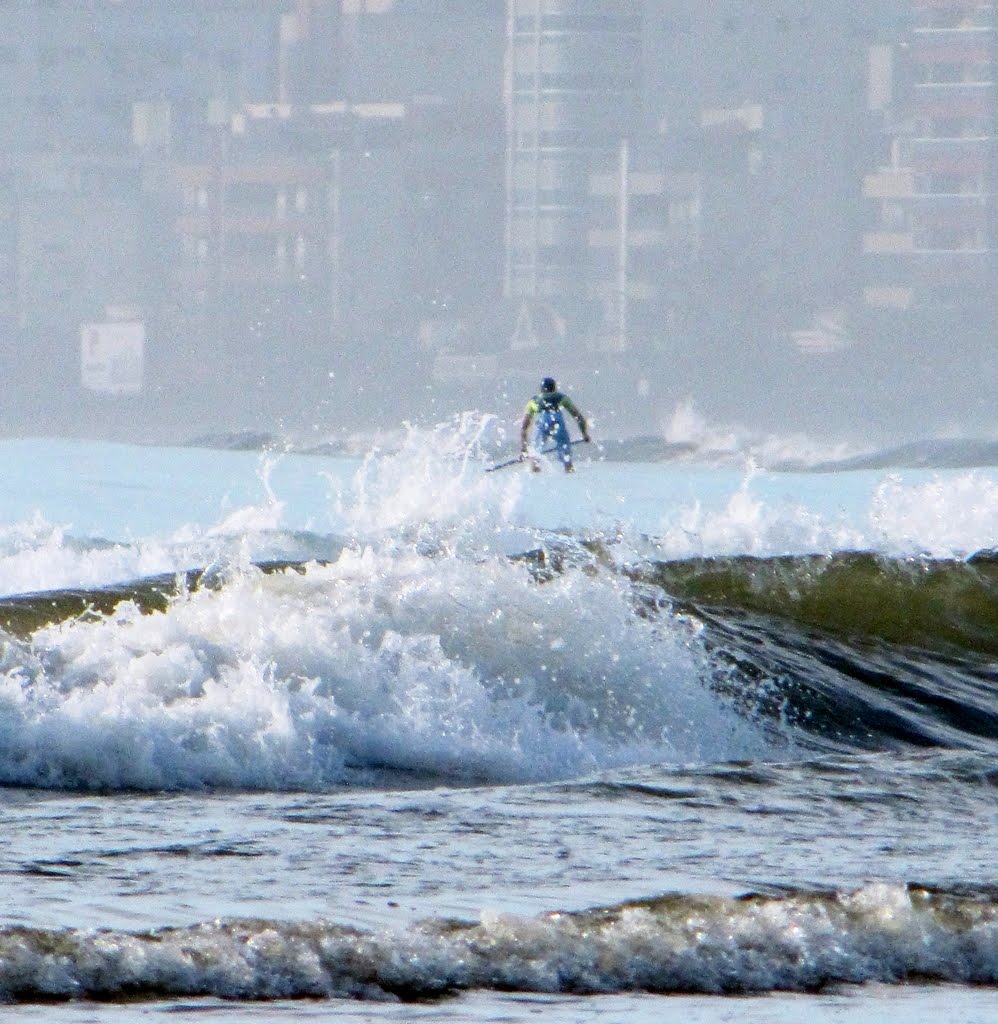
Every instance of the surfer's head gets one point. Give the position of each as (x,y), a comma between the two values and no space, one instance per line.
(549,384)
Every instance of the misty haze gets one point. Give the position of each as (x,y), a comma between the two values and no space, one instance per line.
(325,218)
(500,511)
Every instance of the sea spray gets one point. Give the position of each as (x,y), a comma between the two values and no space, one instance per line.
(949,516)
(749,523)
(429,664)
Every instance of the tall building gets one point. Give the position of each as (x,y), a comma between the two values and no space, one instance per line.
(768,108)
(934,244)
(683,186)
(96,95)
(573,88)
(276,189)
(93,90)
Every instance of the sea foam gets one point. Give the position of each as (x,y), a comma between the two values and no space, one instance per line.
(800,942)
(413,663)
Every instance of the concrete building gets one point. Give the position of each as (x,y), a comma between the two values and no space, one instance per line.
(684,185)
(573,87)
(449,191)
(269,186)
(350,238)
(934,244)
(770,108)
(931,292)
(96,96)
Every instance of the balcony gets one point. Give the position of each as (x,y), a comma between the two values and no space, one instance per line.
(950,167)
(952,211)
(948,16)
(201,225)
(888,297)
(888,242)
(274,173)
(954,99)
(889,184)
(969,267)
(637,238)
(638,184)
(920,152)
(940,48)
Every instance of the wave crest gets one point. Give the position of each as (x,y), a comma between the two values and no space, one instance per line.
(799,942)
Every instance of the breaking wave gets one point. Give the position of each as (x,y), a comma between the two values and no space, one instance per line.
(443,632)
(798,941)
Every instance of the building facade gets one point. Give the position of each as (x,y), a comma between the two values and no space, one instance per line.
(573,87)
(935,246)
(445,191)
(281,191)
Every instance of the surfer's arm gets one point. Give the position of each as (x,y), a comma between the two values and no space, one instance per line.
(572,408)
(528,417)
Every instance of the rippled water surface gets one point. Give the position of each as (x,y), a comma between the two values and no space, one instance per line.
(288,737)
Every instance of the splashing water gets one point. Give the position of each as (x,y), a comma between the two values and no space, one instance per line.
(748,524)
(381,660)
(433,488)
(948,517)
(422,647)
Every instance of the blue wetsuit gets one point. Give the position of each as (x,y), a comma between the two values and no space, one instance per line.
(550,428)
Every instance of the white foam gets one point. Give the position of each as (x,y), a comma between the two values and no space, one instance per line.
(943,515)
(36,555)
(206,508)
(688,427)
(434,480)
(384,659)
(422,648)
(748,524)
(881,933)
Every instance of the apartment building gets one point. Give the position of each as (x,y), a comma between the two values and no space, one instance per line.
(933,243)
(98,96)
(661,151)
(268,183)
(573,87)
(260,182)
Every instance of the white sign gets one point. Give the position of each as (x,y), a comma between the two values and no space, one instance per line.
(112,357)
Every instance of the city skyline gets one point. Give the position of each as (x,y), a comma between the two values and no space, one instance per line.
(307,206)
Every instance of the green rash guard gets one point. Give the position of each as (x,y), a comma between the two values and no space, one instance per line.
(552,401)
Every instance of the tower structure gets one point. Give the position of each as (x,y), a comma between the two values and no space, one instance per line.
(936,247)
(573,81)
(952,149)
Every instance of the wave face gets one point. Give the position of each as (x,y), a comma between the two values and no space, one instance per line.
(803,942)
(941,605)
(545,666)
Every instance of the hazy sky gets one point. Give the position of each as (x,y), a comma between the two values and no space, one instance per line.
(749,141)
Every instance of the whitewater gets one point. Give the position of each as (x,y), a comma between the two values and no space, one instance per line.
(384,736)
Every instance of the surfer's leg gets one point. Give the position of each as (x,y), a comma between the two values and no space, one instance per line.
(564,446)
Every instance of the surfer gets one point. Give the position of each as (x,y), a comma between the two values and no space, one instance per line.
(547,407)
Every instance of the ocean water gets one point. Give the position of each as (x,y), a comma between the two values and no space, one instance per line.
(293,736)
